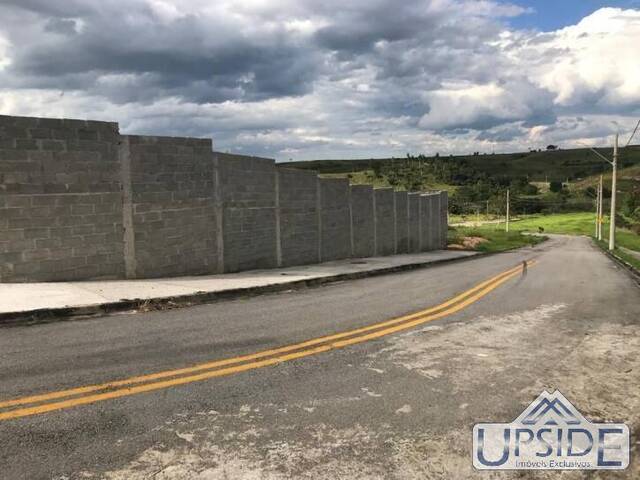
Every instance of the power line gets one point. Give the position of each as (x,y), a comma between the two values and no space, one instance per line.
(634,132)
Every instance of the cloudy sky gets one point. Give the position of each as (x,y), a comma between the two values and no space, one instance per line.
(305,79)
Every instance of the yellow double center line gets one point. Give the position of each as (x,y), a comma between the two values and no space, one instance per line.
(63,399)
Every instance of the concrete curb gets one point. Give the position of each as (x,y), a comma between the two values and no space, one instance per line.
(49,315)
(630,269)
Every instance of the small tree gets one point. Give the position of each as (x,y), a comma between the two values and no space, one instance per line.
(631,204)
(555,186)
(377,169)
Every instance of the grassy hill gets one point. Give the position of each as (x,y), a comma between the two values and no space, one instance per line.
(626,177)
(478,183)
(559,165)
(367,177)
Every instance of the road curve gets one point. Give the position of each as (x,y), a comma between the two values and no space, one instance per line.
(374,378)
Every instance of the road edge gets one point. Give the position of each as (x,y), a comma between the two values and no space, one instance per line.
(50,315)
(632,271)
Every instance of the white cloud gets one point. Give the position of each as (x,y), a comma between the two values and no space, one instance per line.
(484,106)
(309,79)
(600,62)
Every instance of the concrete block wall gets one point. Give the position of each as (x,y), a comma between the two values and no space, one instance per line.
(362,221)
(402,222)
(425,228)
(335,218)
(385,221)
(60,200)
(80,201)
(434,221)
(248,192)
(444,219)
(430,221)
(172,206)
(298,212)
(414,219)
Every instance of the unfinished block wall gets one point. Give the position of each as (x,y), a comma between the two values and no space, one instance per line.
(298,211)
(402,222)
(414,219)
(60,200)
(385,221)
(434,221)
(172,205)
(335,219)
(362,221)
(80,201)
(430,219)
(444,218)
(248,189)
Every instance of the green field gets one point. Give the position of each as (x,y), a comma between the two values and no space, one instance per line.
(567,223)
(580,223)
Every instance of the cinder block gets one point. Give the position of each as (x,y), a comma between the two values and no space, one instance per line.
(17,223)
(87,134)
(11,258)
(39,133)
(14,155)
(17,201)
(82,209)
(26,144)
(53,145)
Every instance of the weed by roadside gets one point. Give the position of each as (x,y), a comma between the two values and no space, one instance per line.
(495,240)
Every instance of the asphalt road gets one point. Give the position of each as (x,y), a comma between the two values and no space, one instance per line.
(397,400)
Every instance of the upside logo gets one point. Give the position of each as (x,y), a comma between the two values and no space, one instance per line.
(550,434)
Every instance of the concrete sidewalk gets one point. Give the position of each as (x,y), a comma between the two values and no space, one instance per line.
(39,301)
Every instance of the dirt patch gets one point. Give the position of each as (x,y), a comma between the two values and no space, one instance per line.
(468,243)
(435,351)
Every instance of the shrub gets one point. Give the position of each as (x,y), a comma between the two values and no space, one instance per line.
(555,186)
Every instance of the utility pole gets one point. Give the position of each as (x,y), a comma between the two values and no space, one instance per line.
(614,186)
(598,211)
(507,209)
(600,201)
(487,209)
(612,220)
